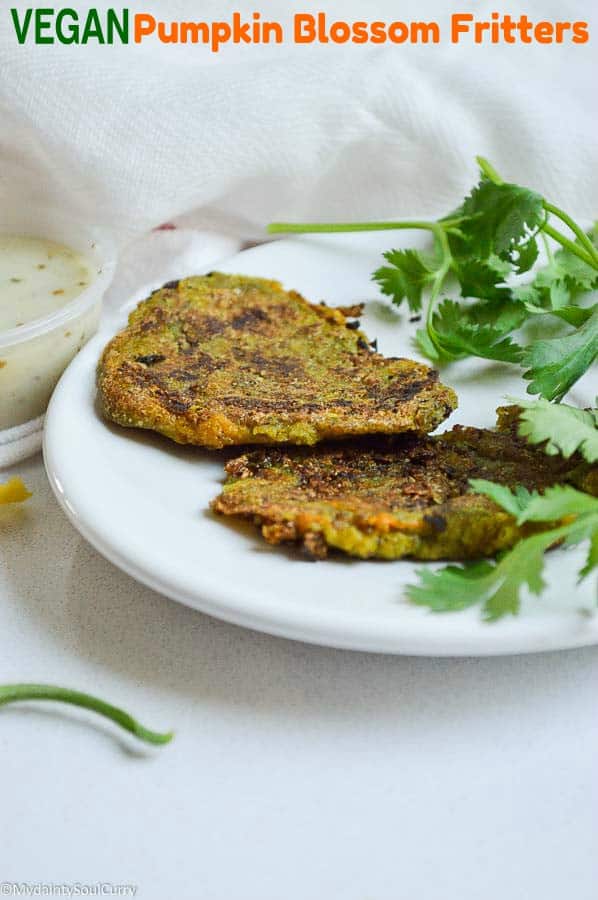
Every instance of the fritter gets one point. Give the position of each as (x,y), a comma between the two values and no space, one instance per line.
(224,359)
(391,498)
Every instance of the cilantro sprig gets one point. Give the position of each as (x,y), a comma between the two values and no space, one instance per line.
(573,516)
(497,584)
(555,365)
(483,248)
(562,429)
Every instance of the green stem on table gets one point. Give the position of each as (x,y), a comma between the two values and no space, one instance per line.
(12,693)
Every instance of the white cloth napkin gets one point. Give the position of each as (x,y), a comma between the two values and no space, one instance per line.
(20,442)
(131,136)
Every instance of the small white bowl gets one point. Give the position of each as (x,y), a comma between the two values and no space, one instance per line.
(34,355)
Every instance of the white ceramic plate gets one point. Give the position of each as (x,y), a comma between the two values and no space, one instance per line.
(143,502)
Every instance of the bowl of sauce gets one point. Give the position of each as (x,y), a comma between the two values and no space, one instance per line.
(52,281)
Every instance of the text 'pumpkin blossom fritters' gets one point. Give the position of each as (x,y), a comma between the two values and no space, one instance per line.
(390,498)
(224,359)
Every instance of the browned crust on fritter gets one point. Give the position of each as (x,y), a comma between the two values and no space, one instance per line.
(390,498)
(220,360)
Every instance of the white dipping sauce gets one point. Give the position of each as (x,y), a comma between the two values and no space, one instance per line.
(38,279)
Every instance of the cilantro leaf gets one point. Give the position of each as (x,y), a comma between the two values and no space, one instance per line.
(409,273)
(556,284)
(514,502)
(565,429)
(549,288)
(555,365)
(592,560)
(458,336)
(491,237)
(578,274)
(520,567)
(497,585)
(526,256)
(584,528)
(556,503)
(499,219)
(483,278)
(563,278)
(572,315)
(425,345)
(533,298)
(560,502)
(452,587)
(504,315)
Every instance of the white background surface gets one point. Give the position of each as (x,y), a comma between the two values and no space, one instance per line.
(297,772)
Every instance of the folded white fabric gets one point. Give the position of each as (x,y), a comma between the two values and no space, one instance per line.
(159,256)
(128,136)
(20,442)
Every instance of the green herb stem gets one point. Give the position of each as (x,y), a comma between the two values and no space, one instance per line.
(547,247)
(12,693)
(591,254)
(570,245)
(488,170)
(338,227)
(343,227)
(439,277)
(579,233)
(492,234)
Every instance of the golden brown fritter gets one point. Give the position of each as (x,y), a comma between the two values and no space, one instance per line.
(390,498)
(225,359)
